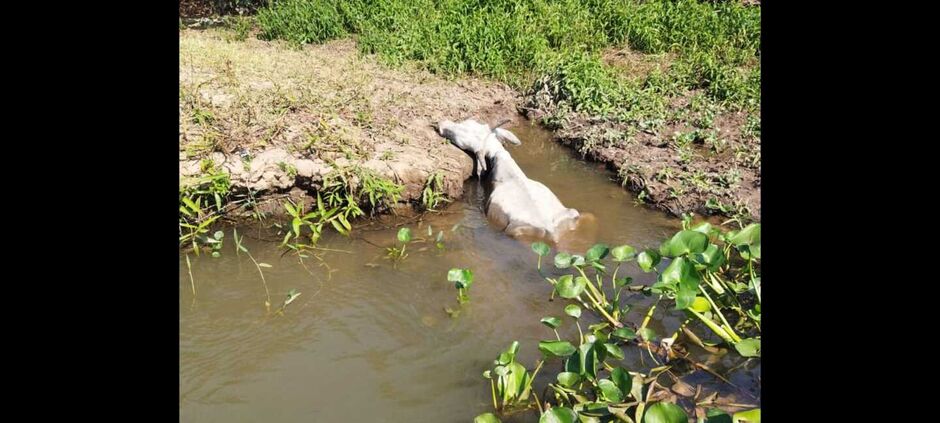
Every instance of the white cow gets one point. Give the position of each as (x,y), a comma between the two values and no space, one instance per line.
(517,204)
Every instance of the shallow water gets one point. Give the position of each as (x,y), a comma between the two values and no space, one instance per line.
(369,341)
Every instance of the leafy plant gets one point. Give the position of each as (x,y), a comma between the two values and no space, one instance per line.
(314,221)
(462,279)
(542,249)
(239,27)
(701,277)
(380,192)
(194,223)
(432,196)
(509,380)
(398,253)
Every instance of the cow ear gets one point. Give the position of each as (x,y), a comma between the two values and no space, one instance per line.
(506,136)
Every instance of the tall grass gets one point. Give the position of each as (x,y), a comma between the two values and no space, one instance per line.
(716,44)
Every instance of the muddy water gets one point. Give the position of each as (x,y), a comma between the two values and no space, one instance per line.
(369,341)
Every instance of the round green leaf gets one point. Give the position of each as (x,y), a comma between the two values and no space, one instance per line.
(509,355)
(592,412)
(749,236)
(577,260)
(712,258)
(684,242)
(557,348)
(559,415)
(609,391)
(624,333)
(647,334)
(682,272)
(552,322)
(665,412)
(541,248)
(684,298)
(749,347)
(701,305)
(587,360)
(514,381)
(714,415)
(462,278)
(562,260)
(647,260)
(623,253)
(623,379)
(218,235)
(704,227)
(573,310)
(614,351)
(597,252)
(678,270)
(749,416)
(404,235)
(569,288)
(486,418)
(568,379)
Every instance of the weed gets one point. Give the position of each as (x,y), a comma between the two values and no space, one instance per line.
(239,26)
(398,253)
(288,168)
(702,280)
(194,222)
(433,195)
(462,279)
(520,42)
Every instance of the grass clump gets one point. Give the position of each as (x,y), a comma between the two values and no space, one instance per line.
(717,43)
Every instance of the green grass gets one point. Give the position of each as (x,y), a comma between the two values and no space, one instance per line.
(539,42)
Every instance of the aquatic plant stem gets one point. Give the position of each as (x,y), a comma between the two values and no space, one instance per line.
(601,310)
(192,282)
(267,294)
(493,391)
(727,326)
(535,372)
(649,314)
(594,289)
(715,328)
(682,326)
(721,283)
(613,280)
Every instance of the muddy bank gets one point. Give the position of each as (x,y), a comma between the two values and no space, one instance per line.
(275,118)
(700,160)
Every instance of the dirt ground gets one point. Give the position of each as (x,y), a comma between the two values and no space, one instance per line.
(693,178)
(278,118)
(704,158)
(275,117)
